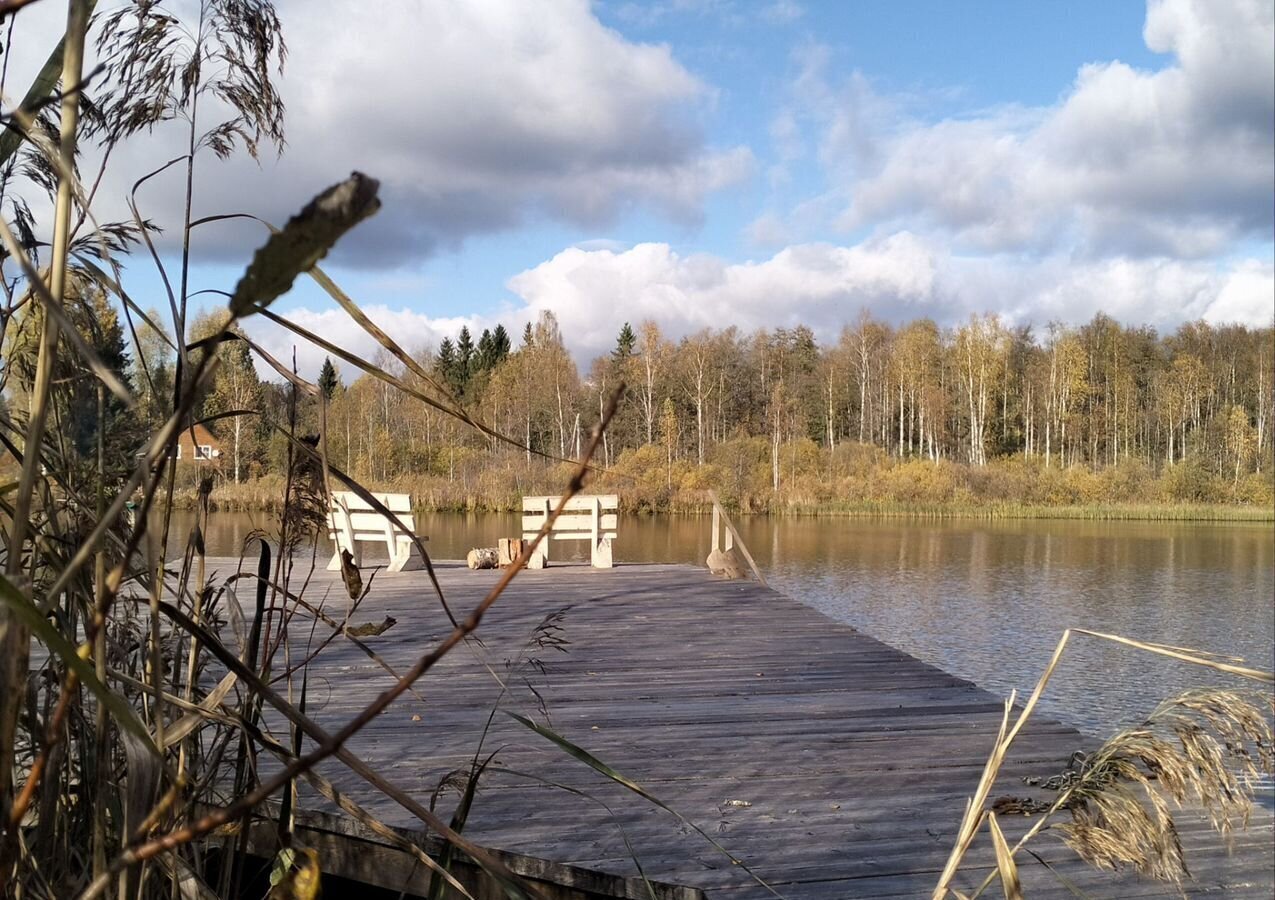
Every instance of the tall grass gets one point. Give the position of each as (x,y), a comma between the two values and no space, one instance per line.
(135,690)
(1207,746)
(502,490)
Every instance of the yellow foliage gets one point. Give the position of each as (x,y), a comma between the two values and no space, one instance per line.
(1127,482)
(1084,485)
(1256,489)
(917,481)
(700,478)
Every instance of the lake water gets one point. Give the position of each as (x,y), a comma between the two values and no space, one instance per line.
(986,601)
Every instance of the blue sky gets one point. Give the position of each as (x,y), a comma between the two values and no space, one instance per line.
(947,59)
(706,163)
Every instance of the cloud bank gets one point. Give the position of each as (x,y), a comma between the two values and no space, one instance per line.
(476,118)
(898,278)
(1175,162)
(483,117)
(1148,196)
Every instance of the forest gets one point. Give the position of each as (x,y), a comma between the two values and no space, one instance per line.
(886,418)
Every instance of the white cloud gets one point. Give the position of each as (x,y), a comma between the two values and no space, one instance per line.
(413,331)
(476,117)
(898,278)
(1174,162)
(767,230)
(1248,295)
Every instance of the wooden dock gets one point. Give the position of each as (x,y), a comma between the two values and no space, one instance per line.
(831,764)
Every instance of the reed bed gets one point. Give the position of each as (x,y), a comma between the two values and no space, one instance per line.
(1206,747)
(139,706)
(438,495)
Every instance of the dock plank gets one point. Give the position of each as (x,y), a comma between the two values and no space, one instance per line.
(854,758)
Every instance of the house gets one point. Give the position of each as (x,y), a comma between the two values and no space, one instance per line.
(197,444)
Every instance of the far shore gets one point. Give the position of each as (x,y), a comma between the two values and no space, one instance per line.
(265,495)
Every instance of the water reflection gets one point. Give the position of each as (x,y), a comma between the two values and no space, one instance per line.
(987,601)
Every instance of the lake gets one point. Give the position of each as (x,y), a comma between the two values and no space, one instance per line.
(984,600)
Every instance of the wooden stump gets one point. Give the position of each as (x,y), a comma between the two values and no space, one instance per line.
(482,558)
(508,550)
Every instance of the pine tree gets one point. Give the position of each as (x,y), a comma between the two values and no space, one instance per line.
(528,337)
(464,353)
(329,380)
(500,343)
(75,394)
(445,365)
(624,343)
(485,358)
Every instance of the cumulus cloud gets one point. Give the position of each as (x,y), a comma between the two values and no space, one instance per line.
(415,332)
(476,117)
(898,278)
(1175,162)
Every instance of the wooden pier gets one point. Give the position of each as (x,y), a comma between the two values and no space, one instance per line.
(831,764)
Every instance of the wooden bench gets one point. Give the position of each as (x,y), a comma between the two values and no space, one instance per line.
(352,522)
(592,518)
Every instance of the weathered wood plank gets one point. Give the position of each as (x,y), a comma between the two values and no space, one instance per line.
(855,759)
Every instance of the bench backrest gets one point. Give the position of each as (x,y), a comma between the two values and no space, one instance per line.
(577,519)
(363,522)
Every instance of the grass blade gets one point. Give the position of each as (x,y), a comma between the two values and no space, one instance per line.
(1004,861)
(40,626)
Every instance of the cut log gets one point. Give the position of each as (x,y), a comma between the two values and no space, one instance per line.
(482,558)
(508,550)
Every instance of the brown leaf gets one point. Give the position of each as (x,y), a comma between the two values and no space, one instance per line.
(371,629)
(350,574)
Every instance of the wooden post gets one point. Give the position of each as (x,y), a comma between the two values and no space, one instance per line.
(595,538)
(544,545)
(732,533)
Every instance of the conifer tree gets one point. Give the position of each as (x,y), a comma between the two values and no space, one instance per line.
(445,365)
(624,343)
(329,380)
(464,356)
(485,357)
(500,343)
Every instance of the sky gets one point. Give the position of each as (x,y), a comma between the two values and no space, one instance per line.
(707,163)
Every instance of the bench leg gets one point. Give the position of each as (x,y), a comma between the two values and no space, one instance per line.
(601,555)
(406,558)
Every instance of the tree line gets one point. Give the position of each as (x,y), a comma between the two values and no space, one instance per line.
(762,412)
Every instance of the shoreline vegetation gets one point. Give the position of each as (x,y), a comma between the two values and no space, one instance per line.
(980,420)
(1026,491)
